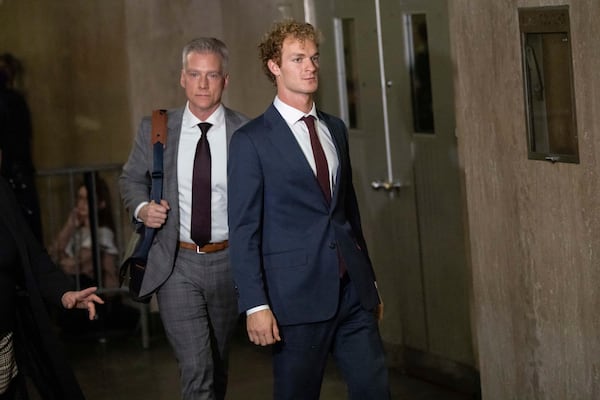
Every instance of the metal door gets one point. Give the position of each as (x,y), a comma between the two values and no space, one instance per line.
(386,69)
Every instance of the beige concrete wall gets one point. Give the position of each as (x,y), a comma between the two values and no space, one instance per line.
(94,68)
(244,24)
(76,77)
(155,34)
(534,226)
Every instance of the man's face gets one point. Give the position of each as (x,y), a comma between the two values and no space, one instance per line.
(298,72)
(204,82)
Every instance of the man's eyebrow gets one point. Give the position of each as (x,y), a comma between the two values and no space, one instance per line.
(202,71)
(303,54)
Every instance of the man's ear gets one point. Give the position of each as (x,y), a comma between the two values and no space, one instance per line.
(225,81)
(182,78)
(273,67)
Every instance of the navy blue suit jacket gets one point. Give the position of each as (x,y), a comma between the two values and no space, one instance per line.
(284,238)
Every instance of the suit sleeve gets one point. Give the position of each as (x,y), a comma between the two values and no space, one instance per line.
(38,269)
(354,215)
(135,180)
(245,208)
(52,282)
(351,201)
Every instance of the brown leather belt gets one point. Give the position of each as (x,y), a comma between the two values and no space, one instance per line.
(207,248)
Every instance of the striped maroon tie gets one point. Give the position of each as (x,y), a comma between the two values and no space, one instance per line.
(201,190)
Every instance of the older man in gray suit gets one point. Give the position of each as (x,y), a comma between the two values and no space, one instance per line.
(188,264)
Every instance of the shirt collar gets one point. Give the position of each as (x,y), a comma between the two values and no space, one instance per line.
(190,120)
(290,114)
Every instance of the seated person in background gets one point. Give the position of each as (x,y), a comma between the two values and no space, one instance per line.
(72,249)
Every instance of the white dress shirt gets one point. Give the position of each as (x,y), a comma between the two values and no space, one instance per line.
(188,139)
(217,138)
(292,116)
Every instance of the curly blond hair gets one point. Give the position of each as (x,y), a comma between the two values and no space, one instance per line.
(272,42)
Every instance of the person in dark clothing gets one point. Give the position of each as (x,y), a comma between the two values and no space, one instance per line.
(28,282)
(16,163)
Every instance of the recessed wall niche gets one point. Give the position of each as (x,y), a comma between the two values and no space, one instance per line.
(548,84)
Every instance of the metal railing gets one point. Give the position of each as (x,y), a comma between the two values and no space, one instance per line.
(57,190)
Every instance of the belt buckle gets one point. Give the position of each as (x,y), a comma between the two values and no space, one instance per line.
(198,250)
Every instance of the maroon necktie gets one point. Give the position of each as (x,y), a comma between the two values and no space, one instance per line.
(319,154)
(201,190)
(322,173)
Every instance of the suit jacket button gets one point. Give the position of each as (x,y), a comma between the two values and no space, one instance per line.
(332,245)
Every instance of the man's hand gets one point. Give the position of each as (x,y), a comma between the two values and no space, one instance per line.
(154,215)
(82,299)
(262,328)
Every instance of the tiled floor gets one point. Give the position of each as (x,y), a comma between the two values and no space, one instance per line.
(119,368)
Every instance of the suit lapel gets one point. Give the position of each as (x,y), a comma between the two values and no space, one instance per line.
(229,125)
(170,159)
(283,139)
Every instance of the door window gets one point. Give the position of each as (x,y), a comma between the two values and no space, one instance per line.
(420,73)
(347,72)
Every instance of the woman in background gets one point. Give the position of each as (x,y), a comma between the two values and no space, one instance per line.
(28,282)
(72,249)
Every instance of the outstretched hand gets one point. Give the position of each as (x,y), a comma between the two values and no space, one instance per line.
(84,299)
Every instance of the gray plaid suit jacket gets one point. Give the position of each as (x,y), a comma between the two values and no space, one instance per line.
(135,182)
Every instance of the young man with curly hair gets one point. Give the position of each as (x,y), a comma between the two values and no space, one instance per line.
(299,258)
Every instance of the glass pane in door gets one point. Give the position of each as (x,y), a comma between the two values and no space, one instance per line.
(420,74)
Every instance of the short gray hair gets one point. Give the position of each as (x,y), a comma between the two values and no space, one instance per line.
(207,45)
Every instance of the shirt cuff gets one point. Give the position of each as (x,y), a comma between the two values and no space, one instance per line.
(137,210)
(257,308)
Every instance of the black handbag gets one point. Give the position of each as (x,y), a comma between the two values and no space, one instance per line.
(135,259)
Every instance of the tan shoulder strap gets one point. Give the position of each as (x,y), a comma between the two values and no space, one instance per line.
(159,127)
